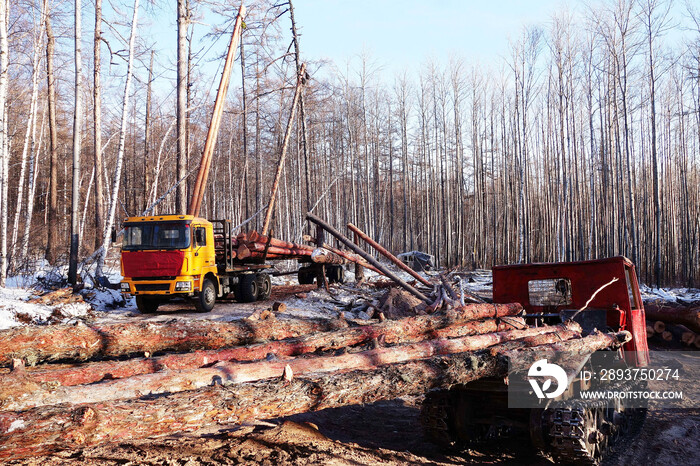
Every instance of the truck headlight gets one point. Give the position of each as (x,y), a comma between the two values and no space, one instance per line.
(183,286)
(125,287)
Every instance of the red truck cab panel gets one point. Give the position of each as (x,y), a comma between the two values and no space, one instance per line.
(577,283)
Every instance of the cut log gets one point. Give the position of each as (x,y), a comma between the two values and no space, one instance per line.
(340,237)
(659,327)
(256,238)
(49,429)
(395,260)
(279,250)
(278,307)
(484,311)
(36,344)
(690,317)
(408,330)
(687,336)
(650,331)
(355,258)
(323,256)
(25,395)
(696,342)
(678,333)
(596,341)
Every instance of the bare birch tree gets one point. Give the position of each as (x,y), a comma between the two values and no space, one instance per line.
(106,239)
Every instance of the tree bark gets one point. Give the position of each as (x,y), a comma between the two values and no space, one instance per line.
(114,198)
(183,22)
(52,241)
(367,257)
(407,330)
(4,137)
(77,127)
(690,317)
(234,372)
(97,120)
(301,79)
(81,343)
(395,260)
(48,429)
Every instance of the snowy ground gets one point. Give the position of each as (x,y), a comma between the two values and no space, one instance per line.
(104,305)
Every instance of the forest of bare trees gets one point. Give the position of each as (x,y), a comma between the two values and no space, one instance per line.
(581,143)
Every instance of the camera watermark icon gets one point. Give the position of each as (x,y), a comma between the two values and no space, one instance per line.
(542,369)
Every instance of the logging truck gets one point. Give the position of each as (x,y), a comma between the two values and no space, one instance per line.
(183,256)
(573,432)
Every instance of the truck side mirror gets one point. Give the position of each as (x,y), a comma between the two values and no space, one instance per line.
(114,235)
(199,236)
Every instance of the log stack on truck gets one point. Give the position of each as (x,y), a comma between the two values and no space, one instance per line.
(143,380)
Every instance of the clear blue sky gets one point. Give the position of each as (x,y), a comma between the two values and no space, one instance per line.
(396,35)
(401,34)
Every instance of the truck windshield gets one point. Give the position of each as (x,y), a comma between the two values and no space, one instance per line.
(156,235)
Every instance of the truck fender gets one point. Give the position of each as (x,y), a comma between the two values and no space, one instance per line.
(214,279)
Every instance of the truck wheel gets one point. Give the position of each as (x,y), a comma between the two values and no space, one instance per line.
(335,273)
(264,286)
(247,288)
(306,276)
(147,305)
(205,300)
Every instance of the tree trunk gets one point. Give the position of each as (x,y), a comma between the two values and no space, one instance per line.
(147,164)
(690,317)
(407,330)
(48,429)
(97,119)
(183,22)
(4,137)
(52,241)
(302,111)
(66,342)
(33,172)
(26,153)
(77,126)
(301,79)
(114,198)
(14,397)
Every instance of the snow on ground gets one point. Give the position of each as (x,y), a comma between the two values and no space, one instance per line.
(15,310)
(105,304)
(672,295)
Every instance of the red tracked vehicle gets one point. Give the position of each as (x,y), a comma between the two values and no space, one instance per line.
(598,294)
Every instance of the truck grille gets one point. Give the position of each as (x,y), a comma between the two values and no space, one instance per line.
(152,286)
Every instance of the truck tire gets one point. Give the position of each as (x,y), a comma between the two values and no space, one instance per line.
(205,300)
(264,286)
(247,288)
(147,305)
(335,273)
(306,276)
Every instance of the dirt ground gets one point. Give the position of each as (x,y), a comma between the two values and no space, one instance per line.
(386,432)
(382,433)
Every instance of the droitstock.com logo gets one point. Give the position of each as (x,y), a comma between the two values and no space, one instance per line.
(543,370)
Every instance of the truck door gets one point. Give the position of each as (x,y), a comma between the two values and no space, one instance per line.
(198,248)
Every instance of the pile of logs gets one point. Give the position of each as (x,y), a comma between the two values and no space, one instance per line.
(674,323)
(66,387)
(256,246)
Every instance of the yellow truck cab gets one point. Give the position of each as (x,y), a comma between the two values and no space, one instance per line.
(171,256)
(166,256)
